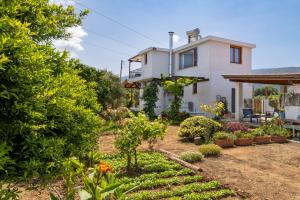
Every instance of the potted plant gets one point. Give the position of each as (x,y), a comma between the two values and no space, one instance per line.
(260,136)
(280,135)
(224,139)
(243,138)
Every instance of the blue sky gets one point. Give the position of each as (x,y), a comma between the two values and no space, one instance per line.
(272,25)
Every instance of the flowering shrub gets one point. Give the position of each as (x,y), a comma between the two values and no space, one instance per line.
(235,126)
(216,110)
(199,126)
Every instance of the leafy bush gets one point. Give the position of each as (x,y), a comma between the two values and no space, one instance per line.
(224,135)
(199,126)
(191,157)
(115,114)
(280,131)
(47,111)
(210,149)
(176,118)
(235,126)
(5,160)
(258,132)
(240,134)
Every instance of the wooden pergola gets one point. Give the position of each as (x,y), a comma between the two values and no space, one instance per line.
(276,79)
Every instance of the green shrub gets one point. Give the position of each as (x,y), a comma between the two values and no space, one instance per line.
(191,157)
(258,132)
(210,149)
(199,126)
(241,134)
(280,131)
(224,135)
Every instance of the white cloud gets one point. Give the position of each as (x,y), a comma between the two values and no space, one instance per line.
(64,3)
(176,39)
(73,44)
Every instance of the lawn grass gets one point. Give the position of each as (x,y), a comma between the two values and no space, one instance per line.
(159,178)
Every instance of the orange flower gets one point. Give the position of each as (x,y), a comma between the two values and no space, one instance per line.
(104,168)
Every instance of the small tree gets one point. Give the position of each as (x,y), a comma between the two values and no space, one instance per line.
(150,98)
(137,129)
(175,87)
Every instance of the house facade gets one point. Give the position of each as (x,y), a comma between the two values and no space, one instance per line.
(208,57)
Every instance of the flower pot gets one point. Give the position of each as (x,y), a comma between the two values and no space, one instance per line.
(224,143)
(243,141)
(278,139)
(197,140)
(262,140)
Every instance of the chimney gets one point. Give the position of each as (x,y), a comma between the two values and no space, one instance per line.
(193,35)
(170,52)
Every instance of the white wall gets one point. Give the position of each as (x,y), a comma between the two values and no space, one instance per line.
(213,62)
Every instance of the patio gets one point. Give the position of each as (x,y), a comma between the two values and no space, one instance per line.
(284,81)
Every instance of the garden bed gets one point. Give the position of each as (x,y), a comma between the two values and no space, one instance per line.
(159,178)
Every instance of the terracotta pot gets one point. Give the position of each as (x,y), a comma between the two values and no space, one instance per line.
(243,141)
(262,139)
(224,143)
(278,139)
(197,140)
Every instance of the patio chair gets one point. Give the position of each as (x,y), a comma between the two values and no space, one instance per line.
(247,113)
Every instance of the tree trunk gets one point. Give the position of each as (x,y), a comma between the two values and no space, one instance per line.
(135,157)
(128,162)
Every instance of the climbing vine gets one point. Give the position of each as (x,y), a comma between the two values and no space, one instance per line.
(175,87)
(150,98)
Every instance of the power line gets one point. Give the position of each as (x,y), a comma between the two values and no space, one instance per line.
(107,49)
(113,39)
(117,22)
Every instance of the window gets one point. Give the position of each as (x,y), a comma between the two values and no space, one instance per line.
(195,88)
(146,59)
(188,59)
(235,54)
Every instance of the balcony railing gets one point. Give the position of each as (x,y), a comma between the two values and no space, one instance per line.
(135,73)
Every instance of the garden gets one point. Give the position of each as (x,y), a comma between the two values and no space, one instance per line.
(66,130)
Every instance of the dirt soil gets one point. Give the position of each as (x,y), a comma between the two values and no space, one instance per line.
(259,172)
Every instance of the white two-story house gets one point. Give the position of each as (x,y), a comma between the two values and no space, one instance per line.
(207,57)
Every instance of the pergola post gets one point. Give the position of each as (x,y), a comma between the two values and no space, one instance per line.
(238,100)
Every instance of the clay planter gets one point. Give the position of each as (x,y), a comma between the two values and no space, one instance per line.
(262,140)
(278,139)
(197,140)
(224,143)
(243,141)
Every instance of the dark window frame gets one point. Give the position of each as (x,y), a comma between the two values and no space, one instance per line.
(145,59)
(240,52)
(195,88)
(195,58)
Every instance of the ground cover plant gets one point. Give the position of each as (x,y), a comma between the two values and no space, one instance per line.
(210,150)
(191,157)
(160,178)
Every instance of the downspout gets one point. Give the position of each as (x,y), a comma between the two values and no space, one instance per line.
(170,52)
